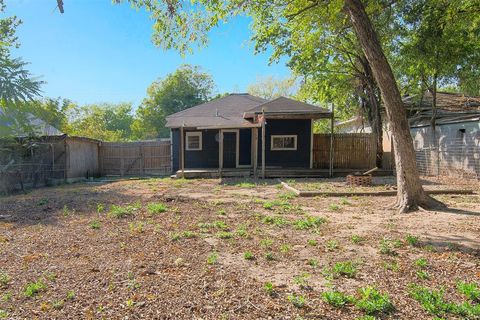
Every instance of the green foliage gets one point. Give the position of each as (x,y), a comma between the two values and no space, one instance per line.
(246,185)
(121,211)
(188,86)
(432,301)
(270,88)
(212,258)
(412,240)
(32,289)
(373,302)
(337,298)
(3,314)
(94,224)
(297,300)
(70,295)
(156,207)
(269,288)
(224,235)
(277,221)
(312,242)
(309,222)
(4,279)
(470,290)
(421,262)
(331,245)
(387,247)
(422,274)
(356,239)
(301,280)
(248,255)
(346,269)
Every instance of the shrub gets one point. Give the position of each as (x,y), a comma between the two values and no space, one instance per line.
(297,300)
(337,298)
(373,302)
(32,289)
(156,207)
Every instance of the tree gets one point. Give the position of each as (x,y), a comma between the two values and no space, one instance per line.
(107,122)
(270,88)
(186,87)
(178,25)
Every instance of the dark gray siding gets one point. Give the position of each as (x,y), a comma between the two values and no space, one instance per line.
(299,158)
(205,158)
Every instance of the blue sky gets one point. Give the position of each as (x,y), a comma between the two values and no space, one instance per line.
(100,52)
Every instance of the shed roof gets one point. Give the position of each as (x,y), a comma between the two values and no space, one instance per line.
(238,110)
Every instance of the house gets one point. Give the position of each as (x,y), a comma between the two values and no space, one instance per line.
(241,131)
(457,132)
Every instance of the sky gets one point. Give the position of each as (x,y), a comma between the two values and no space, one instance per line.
(99,52)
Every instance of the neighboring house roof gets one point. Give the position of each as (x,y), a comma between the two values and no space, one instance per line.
(37,126)
(234,110)
(451,108)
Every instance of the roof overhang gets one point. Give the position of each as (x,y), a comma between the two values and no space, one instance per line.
(289,115)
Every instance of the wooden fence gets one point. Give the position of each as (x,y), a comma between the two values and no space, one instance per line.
(135,158)
(350,151)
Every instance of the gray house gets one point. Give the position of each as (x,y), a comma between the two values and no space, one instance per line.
(241,133)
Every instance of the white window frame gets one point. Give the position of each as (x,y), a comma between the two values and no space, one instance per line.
(294,136)
(193,134)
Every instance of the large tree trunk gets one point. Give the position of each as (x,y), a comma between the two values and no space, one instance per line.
(410,193)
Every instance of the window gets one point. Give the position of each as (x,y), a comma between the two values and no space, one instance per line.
(194,141)
(283,142)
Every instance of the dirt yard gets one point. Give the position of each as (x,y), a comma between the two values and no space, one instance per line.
(210,249)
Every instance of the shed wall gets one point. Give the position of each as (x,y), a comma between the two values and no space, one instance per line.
(82,158)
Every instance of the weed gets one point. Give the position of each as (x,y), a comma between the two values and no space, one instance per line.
(266,243)
(33,288)
(188,234)
(412,240)
(222,212)
(297,300)
(432,301)
(174,236)
(248,255)
(313,263)
(312,242)
(356,239)
(334,207)
(224,235)
(421,263)
(269,288)
(94,224)
(277,221)
(346,269)
(242,231)
(212,258)
(387,247)
(269,256)
(309,222)
(130,303)
(302,280)
(373,302)
(42,202)
(285,248)
(286,196)
(429,248)
(393,266)
(121,212)
(7,296)
(66,212)
(100,208)
(4,279)
(51,276)
(136,227)
(156,208)
(331,245)
(247,185)
(57,304)
(470,290)
(71,295)
(337,298)
(344,201)
(3,314)
(422,274)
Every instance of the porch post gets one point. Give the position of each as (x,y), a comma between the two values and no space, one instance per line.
(263,146)
(255,151)
(182,152)
(311,143)
(330,169)
(220,152)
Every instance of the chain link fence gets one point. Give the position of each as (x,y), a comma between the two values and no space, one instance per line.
(451,157)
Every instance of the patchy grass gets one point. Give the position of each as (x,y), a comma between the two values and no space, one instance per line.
(156,208)
(34,288)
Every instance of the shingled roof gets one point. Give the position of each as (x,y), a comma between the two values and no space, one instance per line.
(235,110)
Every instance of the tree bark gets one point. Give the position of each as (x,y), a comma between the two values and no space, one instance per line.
(410,193)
